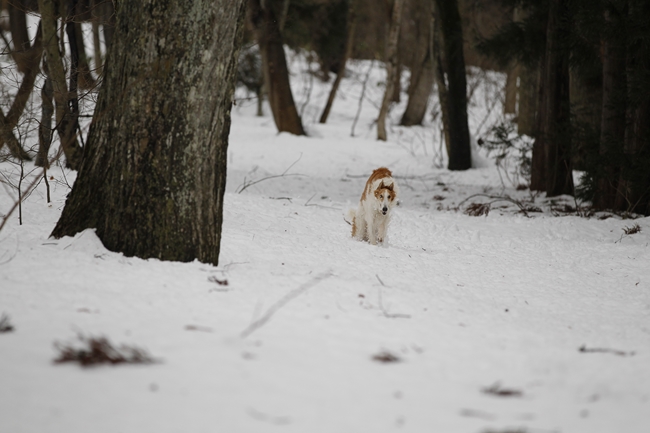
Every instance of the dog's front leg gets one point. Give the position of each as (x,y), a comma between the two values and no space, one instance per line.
(370,226)
(381,231)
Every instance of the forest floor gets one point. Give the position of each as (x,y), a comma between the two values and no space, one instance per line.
(534,317)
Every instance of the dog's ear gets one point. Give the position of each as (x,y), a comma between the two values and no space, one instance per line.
(389,187)
(381,185)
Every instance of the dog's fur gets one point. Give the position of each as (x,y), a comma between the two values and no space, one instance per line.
(370,221)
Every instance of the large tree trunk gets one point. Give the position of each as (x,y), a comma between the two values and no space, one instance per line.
(612,127)
(634,183)
(422,76)
(510,100)
(528,79)
(153,177)
(557,125)
(274,65)
(391,68)
(347,52)
(460,157)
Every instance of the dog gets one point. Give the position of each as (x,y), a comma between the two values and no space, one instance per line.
(370,220)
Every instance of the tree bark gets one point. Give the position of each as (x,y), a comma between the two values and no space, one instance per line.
(528,80)
(349,44)
(557,127)
(153,178)
(274,65)
(391,68)
(510,100)
(460,157)
(422,75)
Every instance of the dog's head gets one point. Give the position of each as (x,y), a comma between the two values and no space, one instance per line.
(385,196)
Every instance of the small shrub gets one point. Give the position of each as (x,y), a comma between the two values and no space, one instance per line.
(478,209)
(512,154)
(5,324)
(498,391)
(632,230)
(386,357)
(98,350)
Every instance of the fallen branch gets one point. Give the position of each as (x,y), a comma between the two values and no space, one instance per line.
(245,184)
(282,302)
(584,349)
(498,391)
(522,208)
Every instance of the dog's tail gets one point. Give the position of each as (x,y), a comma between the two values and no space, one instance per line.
(350,216)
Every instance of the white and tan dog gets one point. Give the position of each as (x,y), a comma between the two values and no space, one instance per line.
(370,221)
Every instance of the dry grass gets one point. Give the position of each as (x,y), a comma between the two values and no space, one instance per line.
(632,230)
(386,357)
(498,391)
(478,209)
(98,350)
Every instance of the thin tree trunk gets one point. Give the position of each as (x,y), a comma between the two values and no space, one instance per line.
(65,120)
(556,128)
(439,75)
(45,127)
(612,127)
(7,136)
(97,47)
(391,68)
(86,80)
(538,163)
(73,95)
(153,178)
(460,157)
(422,74)
(31,60)
(274,65)
(349,45)
(19,35)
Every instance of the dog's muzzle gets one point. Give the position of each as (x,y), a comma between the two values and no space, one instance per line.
(384,210)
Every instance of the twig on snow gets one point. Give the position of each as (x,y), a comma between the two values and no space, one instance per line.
(584,349)
(381,305)
(282,302)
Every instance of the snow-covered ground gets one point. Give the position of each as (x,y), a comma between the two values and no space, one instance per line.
(465,305)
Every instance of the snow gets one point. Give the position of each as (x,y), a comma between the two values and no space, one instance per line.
(465,303)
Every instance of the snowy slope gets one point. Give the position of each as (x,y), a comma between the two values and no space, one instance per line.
(464,303)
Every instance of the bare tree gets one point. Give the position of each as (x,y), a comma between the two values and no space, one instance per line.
(153,176)
(460,157)
(391,67)
(422,73)
(555,111)
(347,52)
(274,65)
